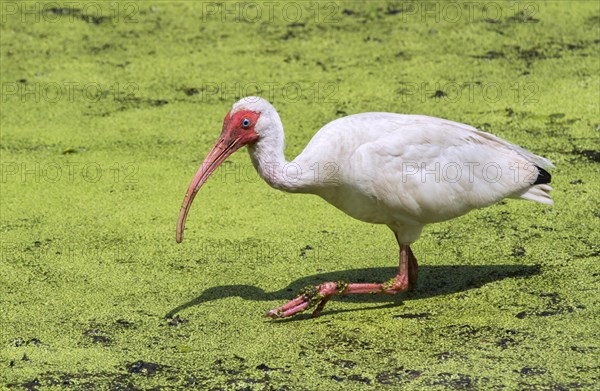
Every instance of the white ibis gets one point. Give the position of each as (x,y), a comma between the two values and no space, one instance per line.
(404,171)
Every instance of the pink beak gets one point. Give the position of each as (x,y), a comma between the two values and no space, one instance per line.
(222,149)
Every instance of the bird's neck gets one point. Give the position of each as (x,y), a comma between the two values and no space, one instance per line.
(269,160)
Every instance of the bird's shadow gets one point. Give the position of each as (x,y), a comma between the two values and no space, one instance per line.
(433,281)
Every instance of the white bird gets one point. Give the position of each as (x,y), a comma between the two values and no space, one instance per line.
(404,171)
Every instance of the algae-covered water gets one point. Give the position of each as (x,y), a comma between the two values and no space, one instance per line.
(108,108)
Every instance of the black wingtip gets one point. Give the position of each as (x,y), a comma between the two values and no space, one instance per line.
(543,176)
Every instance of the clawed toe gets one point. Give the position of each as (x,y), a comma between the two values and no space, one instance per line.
(318,296)
(309,297)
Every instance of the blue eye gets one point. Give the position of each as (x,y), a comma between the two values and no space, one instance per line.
(245,123)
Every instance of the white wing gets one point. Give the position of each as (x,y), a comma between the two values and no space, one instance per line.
(413,170)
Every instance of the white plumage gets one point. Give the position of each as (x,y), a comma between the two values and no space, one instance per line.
(404,171)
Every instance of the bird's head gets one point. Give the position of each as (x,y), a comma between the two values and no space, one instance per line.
(246,123)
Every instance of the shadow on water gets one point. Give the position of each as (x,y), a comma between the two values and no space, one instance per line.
(433,281)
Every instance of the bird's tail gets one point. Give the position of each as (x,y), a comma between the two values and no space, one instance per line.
(538,193)
(540,190)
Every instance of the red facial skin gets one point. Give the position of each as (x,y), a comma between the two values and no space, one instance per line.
(233,136)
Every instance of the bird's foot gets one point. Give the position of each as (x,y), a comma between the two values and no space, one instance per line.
(318,296)
(310,296)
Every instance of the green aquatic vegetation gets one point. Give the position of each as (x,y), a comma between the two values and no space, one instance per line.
(107,110)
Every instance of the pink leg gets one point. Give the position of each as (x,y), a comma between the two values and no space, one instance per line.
(319,295)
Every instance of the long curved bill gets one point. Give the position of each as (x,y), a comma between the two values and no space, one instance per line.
(223,148)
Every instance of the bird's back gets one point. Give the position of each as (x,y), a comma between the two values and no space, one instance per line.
(416,169)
